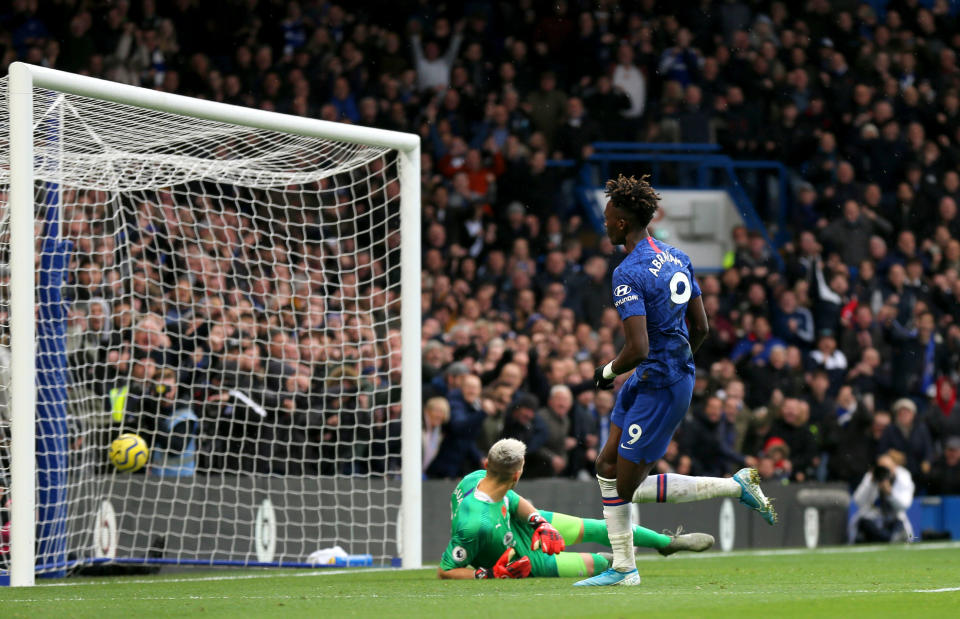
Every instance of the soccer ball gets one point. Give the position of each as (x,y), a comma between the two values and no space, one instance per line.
(129,453)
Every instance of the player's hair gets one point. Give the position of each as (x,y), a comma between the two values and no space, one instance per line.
(635,197)
(505,458)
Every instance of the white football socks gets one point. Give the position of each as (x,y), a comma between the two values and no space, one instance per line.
(672,488)
(616,513)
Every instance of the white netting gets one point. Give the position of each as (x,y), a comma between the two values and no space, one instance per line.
(231,295)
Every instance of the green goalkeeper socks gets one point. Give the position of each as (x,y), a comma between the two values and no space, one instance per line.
(573,565)
(596,531)
(645,538)
(600,563)
(575,530)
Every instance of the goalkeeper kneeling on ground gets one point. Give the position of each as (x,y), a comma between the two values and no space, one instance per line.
(496,533)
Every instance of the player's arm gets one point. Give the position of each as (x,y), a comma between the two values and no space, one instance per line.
(636,346)
(505,567)
(525,509)
(460,553)
(457,573)
(635,349)
(545,536)
(630,304)
(698,325)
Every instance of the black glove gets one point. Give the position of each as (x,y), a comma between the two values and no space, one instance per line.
(599,382)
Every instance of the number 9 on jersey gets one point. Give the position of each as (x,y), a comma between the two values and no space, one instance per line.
(680,288)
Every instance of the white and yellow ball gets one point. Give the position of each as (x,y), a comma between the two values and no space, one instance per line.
(129,453)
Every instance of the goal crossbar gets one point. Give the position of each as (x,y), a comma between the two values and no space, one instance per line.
(24,79)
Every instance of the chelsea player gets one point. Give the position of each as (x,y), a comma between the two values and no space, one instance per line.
(655,292)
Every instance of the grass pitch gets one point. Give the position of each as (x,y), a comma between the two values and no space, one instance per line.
(899,581)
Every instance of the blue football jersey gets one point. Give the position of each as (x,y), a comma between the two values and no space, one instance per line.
(656,280)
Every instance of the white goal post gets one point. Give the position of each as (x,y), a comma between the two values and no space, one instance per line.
(32,90)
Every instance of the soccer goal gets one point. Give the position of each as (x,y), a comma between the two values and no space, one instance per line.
(241,288)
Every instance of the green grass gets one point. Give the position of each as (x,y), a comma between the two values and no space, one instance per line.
(866,582)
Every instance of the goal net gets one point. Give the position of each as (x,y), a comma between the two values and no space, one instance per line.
(230,291)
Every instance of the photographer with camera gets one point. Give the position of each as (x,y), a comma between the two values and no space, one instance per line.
(882,499)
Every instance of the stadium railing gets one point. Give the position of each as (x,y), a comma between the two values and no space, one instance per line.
(706,166)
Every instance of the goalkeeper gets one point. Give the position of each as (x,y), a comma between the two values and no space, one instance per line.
(501,535)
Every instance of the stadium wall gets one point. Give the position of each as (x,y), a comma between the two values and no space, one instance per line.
(248,519)
(261,520)
(811,515)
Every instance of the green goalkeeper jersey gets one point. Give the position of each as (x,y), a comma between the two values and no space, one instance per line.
(467,485)
(483,529)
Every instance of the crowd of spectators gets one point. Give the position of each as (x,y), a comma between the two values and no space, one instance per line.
(811,370)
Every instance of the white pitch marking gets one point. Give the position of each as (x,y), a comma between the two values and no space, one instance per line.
(498,594)
(831,550)
(140,581)
(650,557)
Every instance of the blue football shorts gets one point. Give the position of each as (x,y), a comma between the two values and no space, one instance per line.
(649,416)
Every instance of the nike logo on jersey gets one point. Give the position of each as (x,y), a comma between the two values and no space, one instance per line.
(622,446)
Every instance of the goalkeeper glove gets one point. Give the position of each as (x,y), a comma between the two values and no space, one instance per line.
(545,537)
(504,568)
(600,381)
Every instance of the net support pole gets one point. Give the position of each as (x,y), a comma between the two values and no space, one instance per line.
(411,440)
(53,452)
(23,395)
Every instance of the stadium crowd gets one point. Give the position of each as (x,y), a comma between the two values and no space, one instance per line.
(811,370)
